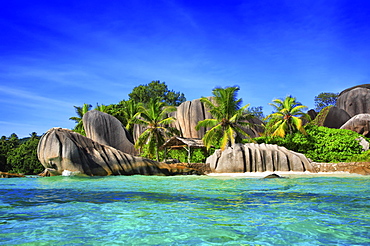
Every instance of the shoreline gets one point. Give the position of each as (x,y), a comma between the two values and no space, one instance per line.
(287,174)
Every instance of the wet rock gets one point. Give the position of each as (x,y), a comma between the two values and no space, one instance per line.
(11,175)
(273,176)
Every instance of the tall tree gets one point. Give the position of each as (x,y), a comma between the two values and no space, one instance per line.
(325,99)
(155,117)
(228,118)
(143,94)
(126,112)
(79,128)
(286,118)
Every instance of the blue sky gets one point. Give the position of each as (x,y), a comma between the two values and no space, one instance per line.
(57,54)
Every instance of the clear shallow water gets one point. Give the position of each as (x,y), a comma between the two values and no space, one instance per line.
(185,210)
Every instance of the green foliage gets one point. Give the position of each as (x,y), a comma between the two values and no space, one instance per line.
(285,119)
(256,112)
(325,99)
(228,118)
(156,89)
(363,157)
(80,111)
(321,144)
(20,158)
(197,155)
(154,116)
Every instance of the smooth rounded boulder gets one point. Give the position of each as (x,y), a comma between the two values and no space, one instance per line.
(355,100)
(252,157)
(359,123)
(62,149)
(108,130)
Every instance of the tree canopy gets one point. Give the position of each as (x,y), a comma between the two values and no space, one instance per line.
(143,94)
(229,118)
(325,99)
(286,117)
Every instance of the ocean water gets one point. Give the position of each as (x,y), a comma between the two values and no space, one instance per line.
(185,210)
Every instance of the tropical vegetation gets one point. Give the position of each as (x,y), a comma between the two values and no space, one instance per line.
(229,118)
(154,117)
(20,155)
(324,100)
(287,117)
(151,105)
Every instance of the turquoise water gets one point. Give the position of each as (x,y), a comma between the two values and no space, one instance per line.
(185,210)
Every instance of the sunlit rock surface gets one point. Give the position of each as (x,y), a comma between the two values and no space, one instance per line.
(62,149)
(355,100)
(359,123)
(257,158)
(108,130)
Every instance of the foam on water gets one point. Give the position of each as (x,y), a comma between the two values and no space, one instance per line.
(185,210)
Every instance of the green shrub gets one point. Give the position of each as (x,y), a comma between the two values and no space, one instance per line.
(322,144)
(197,155)
(364,157)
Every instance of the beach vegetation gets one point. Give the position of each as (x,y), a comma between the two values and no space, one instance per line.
(287,117)
(154,117)
(229,118)
(80,111)
(324,100)
(320,144)
(156,89)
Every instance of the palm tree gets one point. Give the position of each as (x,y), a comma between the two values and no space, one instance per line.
(286,118)
(103,108)
(127,112)
(80,112)
(155,117)
(229,118)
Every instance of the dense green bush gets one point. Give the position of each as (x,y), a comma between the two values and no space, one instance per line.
(363,157)
(197,155)
(20,155)
(23,159)
(322,144)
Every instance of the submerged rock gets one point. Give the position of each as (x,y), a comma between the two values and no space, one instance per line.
(258,158)
(273,176)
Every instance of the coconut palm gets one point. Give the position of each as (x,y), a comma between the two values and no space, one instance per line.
(286,118)
(80,112)
(229,118)
(127,112)
(155,117)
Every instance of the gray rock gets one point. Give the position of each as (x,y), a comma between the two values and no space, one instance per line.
(336,118)
(273,176)
(257,158)
(106,129)
(355,100)
(359,123)
(188,115)
(62,149)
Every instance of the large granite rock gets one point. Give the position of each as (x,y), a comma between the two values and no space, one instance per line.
(332,117)
(359,123)
(355,100)
(188,115)
(62,149)
(257,158)
(108,130)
